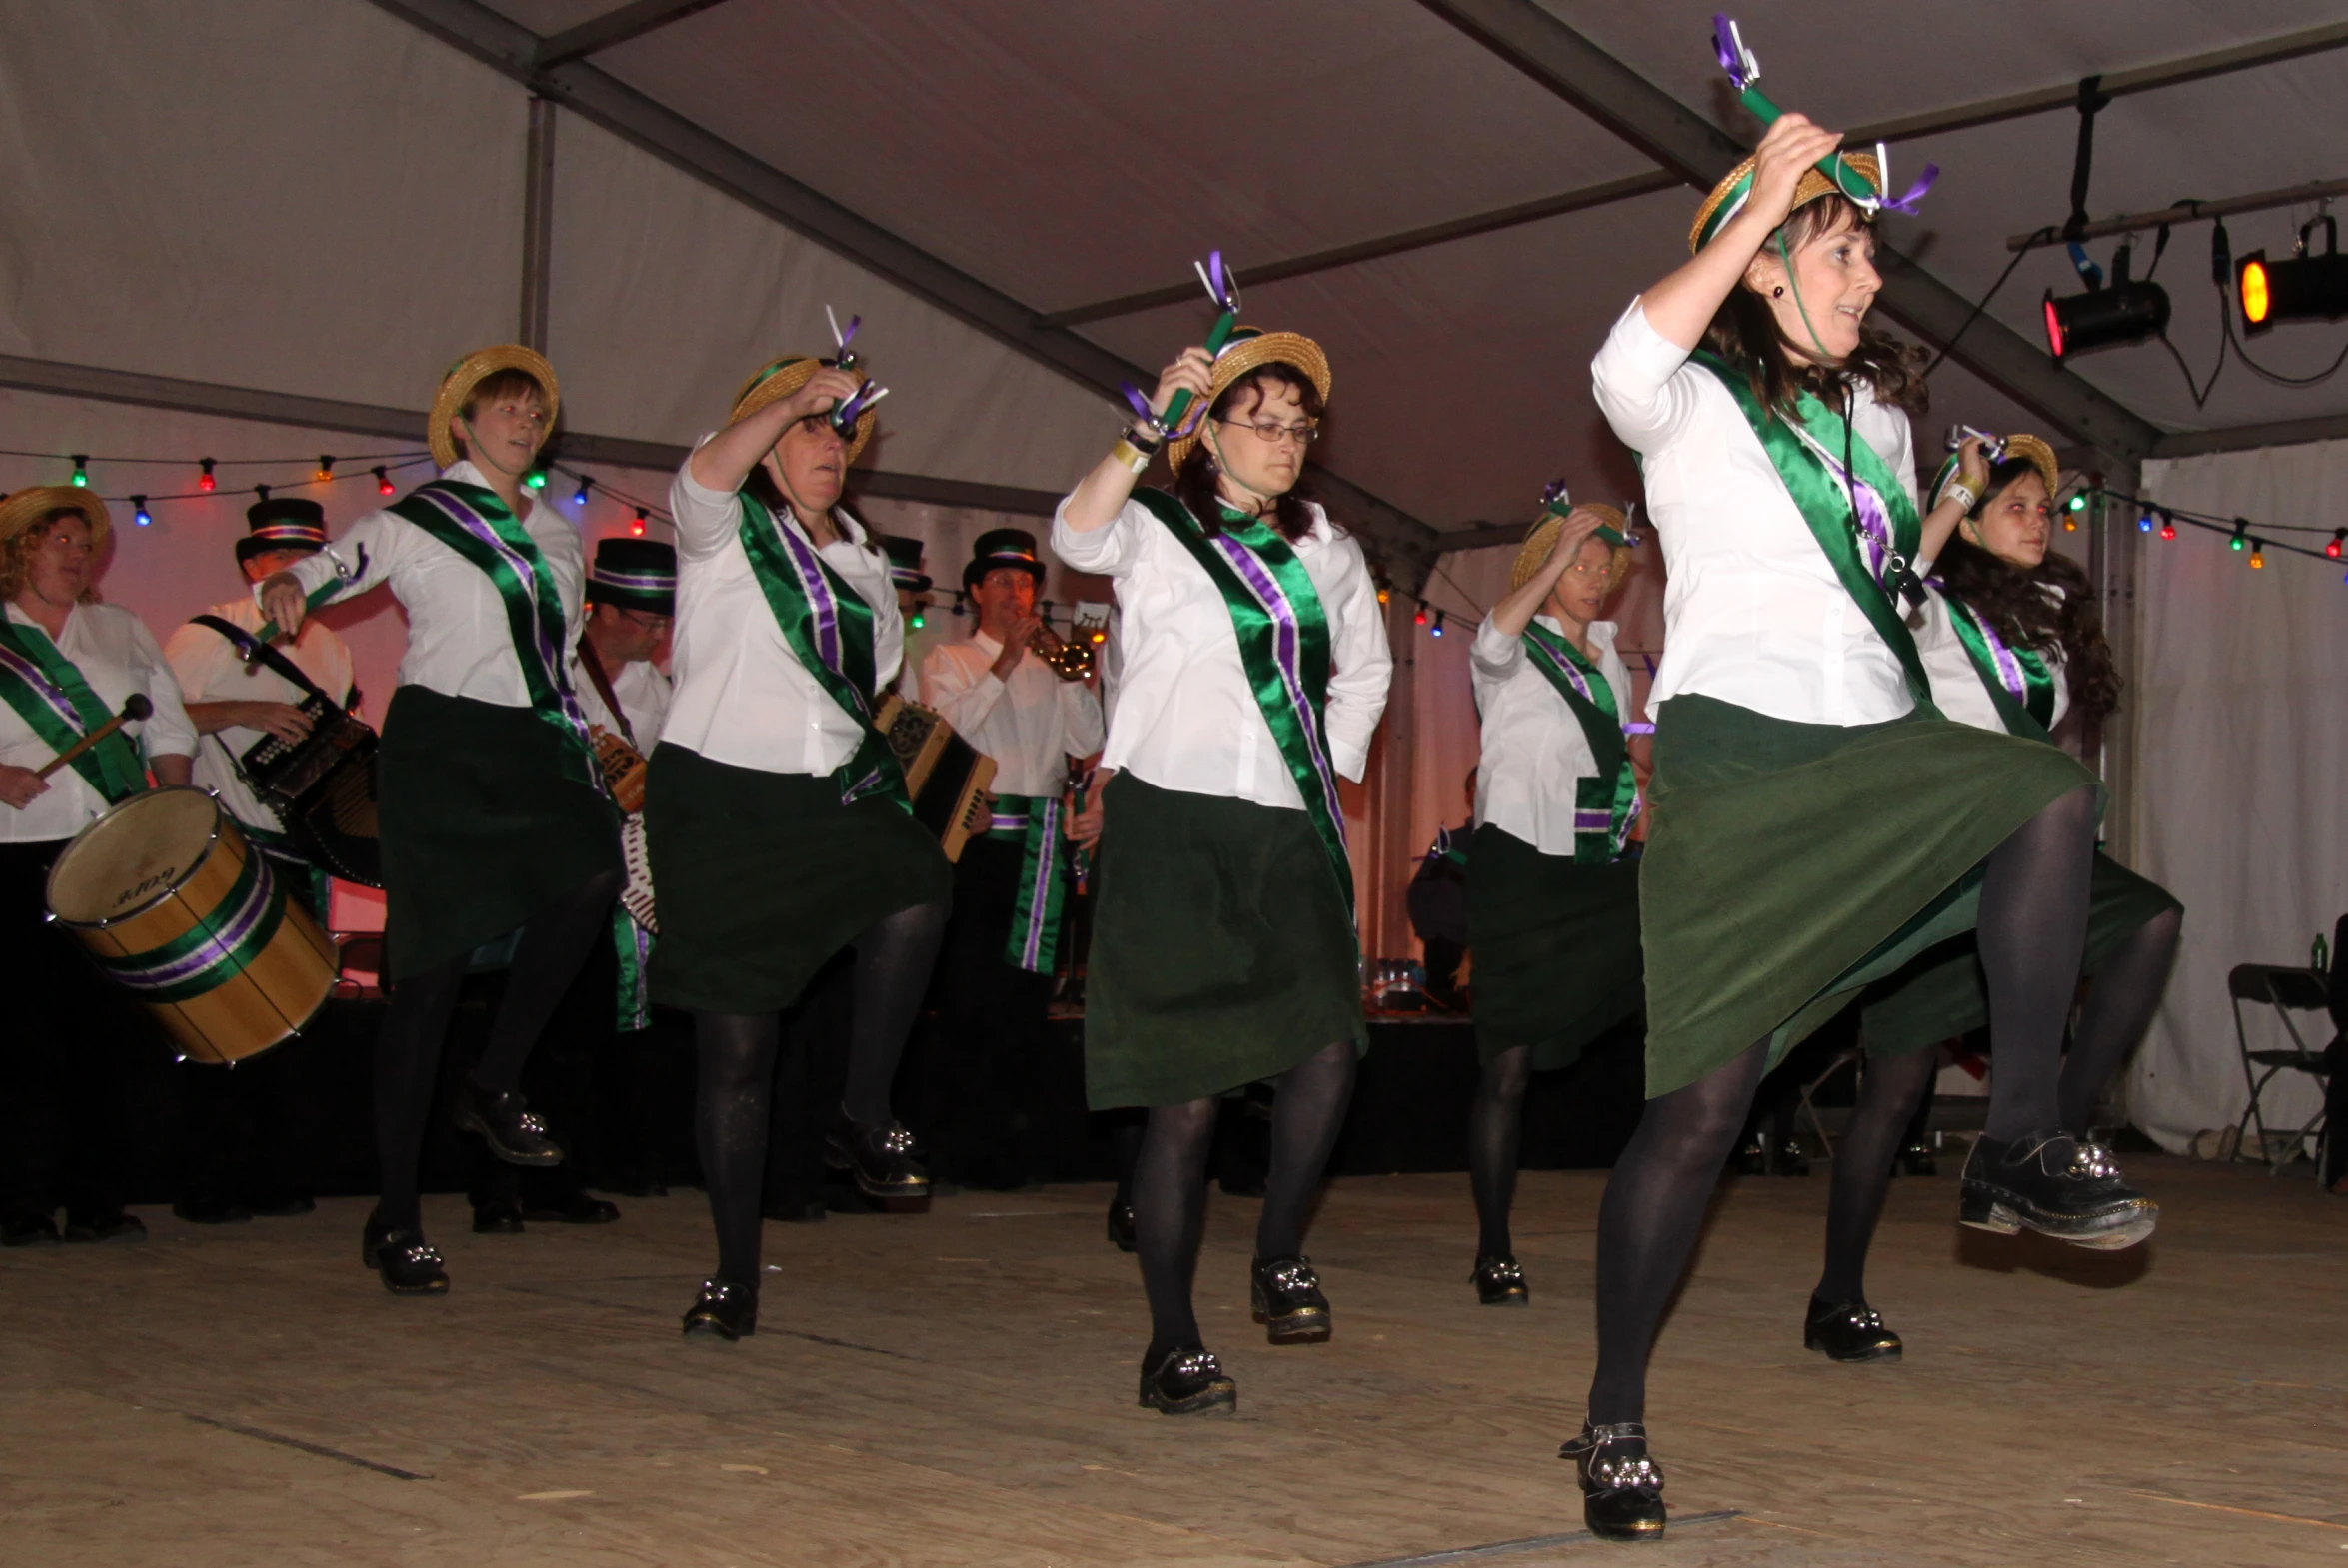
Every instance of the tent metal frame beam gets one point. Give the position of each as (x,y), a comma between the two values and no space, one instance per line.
(57,379)
(2184,212)
(1406,543)
(1648,118)
(620,25)
(2194,68)
(537,225)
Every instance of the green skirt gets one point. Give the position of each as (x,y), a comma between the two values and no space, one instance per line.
(482,824)
(1223,951)
(1555,946)
(1789,865)
(1942,993)
(760,878)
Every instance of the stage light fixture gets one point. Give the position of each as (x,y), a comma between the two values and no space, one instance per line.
(2123,313)
(2298,287)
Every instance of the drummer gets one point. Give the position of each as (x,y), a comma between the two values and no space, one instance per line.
(67,663)
(227,1175)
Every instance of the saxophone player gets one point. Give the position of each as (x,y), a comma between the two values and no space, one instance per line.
(1002,946)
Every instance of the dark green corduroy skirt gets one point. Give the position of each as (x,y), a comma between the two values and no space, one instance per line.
(760,878)
(1223,951)
(1789,865)
(1942,993)
(482,824)
(1555,948)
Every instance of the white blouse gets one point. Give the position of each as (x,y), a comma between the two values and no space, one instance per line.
(1752,610)
(1535,751)
(1185,718)
(742,696)
(211,670)
(458,641)
(117,656)
(1031,724)
(644,699)
(1957,689)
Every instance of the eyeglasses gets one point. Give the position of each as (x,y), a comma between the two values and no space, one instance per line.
(1272,432)
(642,618)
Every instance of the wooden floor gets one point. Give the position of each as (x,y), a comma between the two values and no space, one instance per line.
(958,1388)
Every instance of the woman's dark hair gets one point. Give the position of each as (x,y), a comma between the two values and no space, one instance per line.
(763,487)
(507,383)
(1194,480)
(1744,332)
(2016,604)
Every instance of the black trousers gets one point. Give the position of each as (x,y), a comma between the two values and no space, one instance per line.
(75,1051)
(994,1013)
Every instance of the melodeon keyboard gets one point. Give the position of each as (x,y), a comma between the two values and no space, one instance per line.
(622,768)
(322,787)
(944,774)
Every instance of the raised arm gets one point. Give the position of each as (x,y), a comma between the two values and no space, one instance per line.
(363,558)
(724,461)
(1101,495)
(1514,613)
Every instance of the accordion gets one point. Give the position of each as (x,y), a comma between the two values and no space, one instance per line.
(322,787)
(622,768)
(944,775)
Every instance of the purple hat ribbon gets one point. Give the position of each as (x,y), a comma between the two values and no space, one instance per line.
(1728,47)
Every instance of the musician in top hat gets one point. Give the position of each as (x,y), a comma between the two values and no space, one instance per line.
(1224,949)
(245,1130)
(494,812)
(913,603)
(67,667)
(1010,884)
(631,601)
(777,815)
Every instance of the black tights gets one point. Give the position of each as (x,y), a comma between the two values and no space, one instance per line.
(2121,1001)
(1170,1185)
(2032,931)
(736,1074)
(555,946)
(1891,1087)
(1496,1127)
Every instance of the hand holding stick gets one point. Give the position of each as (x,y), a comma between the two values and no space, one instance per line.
(134,705)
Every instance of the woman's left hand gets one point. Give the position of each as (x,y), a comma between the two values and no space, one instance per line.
(1973,464)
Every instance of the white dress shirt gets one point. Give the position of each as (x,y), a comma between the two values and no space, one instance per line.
(1535,751)
(117,656)
(1031,724)
(742,696)
(1956,680)
(644,701)
(460,642)
(211,670)
(1186,716)
(1752,610)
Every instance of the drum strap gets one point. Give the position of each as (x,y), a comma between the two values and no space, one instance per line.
(47,691)
(255,649)
(590,662)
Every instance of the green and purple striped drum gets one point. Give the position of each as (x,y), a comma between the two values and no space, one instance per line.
(179,908)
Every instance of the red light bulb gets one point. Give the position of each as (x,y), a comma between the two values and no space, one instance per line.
(206,482)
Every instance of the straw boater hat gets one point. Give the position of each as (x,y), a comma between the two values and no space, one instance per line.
(1543,540)
(779,379)
(471,372)
(1728,197)
(27,507)
(1249,349)
(287,524)
(634,573)
(2042,458)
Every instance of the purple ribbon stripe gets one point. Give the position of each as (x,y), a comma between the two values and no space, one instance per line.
(549,649)
(30,674)
(1038,892)
(819,593)
(220,944)
(1287,654)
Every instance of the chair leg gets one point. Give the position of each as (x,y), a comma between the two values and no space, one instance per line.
(2249,1079)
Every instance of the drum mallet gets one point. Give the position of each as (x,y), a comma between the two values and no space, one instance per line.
(134,705)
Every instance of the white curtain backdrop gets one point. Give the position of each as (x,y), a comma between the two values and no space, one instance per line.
(2245,744)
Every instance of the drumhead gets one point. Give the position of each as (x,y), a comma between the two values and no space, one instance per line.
(134,855)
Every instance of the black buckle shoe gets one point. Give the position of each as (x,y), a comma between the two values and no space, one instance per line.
(106,1226)
(880,1154)
(1189,1382)
(502,1217)
(1120,1227)
(1499,1281)
(507,1124)
(409,1264)
(577,1209)
(1286,1296)
(1848,1331)
(723,1311)
(1621,1488)
(2056,1186)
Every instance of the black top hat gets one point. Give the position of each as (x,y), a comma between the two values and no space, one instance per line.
(634,573)
(905,561)
(1002,546)
(288,524)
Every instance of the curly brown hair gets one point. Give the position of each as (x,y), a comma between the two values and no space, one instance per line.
(2016,604)
(16,554)
(1194,481)
(1744,332)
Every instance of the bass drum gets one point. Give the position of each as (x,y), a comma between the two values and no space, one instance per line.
(179,908)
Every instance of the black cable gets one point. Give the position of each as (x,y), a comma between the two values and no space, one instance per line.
(2201,396)
(1982,304)
(2278,378)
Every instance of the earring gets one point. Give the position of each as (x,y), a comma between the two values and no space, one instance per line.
(1777,293)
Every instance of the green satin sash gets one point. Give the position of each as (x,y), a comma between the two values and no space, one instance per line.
(48,691)
(1613,790)
(2028,713)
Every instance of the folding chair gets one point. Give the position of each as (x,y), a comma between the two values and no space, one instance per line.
(2287,988)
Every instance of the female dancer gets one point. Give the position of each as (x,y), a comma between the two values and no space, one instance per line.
(1815,821)
(67,663)
(2012,641)
(776,813)
(1552,888)
(494,809)
(1223,947)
